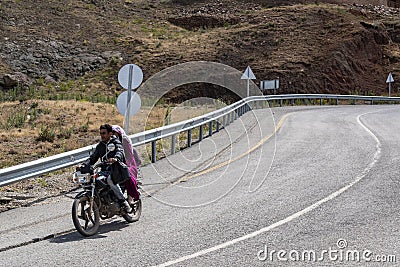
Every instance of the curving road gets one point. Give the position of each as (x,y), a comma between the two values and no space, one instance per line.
(324,190)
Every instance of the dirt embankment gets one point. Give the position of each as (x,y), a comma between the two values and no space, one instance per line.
(312,48)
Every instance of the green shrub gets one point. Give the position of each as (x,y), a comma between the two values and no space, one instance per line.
(65,133)
(46,134)
(15,120)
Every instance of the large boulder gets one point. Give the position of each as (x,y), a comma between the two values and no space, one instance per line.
(9,81)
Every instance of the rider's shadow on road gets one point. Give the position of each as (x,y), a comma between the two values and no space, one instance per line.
(103,229)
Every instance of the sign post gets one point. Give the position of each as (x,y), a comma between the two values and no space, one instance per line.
(248,75)
(130,77)
(389,81)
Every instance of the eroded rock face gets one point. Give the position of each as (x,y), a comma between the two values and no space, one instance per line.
(296,43)
(40,58)
(195,22)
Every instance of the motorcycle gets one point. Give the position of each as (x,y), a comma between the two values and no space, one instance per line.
(97,201)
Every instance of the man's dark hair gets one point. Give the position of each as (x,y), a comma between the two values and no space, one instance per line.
(107,127)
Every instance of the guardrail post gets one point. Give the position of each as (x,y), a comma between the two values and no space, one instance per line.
(189,138)
(153,151)
(232,116)
(263,104)
(210,128)
(223,121)
(201,132)
(372,102)
(217,127)
(281,102)
(320,101)
(337,101)
(173,142)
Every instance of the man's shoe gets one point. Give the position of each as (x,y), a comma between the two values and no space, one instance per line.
(127,207)
(131,201)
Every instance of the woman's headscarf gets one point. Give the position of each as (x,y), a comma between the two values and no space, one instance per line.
(118,129)
(132,159)
(130,152)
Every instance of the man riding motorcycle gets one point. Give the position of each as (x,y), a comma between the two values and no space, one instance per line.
(107,137)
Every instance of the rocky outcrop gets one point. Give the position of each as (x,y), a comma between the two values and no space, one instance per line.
(9,81)
(41,58)
(49,59)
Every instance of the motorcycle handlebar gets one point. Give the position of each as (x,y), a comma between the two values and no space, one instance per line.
(93,167)
(101,164)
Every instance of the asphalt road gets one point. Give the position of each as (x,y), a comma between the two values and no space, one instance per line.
(322,191)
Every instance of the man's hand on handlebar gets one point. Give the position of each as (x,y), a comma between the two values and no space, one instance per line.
(112,160)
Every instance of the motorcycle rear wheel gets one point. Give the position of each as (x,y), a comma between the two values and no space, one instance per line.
(86,220)
(136,212)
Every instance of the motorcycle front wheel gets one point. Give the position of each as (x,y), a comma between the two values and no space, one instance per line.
(86,219)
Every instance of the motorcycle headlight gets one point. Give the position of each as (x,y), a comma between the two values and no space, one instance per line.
(80,178)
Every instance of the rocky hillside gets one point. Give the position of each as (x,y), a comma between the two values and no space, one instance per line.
(312,48)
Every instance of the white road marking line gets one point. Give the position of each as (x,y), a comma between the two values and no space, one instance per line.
(296,215)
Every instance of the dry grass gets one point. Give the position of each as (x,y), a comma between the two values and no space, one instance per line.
(38,128)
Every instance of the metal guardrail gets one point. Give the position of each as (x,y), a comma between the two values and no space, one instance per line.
(220,118)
